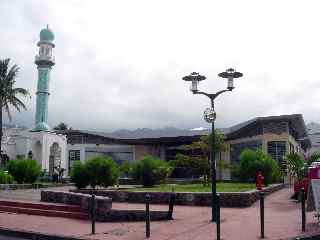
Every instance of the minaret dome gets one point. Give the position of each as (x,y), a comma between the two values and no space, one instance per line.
(46,35)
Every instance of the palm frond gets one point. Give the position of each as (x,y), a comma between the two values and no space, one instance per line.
(4,65)
(9,94)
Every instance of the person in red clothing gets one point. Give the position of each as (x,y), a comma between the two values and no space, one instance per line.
(260,181)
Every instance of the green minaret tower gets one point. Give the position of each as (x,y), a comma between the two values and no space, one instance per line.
(44,61)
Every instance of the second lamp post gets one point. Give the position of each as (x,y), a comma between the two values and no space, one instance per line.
(210,116)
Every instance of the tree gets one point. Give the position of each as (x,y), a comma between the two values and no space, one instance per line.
(253,161)
(201,161)
(150,170)
(61,126)
(8,93)
(97,171)
(296,166)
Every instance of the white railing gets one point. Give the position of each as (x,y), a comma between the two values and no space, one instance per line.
(44,58)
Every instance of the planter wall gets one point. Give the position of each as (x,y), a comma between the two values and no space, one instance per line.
(103,204)
(104,211)
(228,199)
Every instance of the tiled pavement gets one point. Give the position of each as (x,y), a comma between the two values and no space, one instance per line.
(191,223)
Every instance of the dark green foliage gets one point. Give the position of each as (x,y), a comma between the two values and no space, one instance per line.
(125,168)
(296,166)
(201,162)
(5,178)
(61,126)
(24,170)
(253,161)
(150,171)
(98,171)
(315,157)
(102,171)
(79,175)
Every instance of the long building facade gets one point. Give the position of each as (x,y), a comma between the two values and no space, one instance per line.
(275,135)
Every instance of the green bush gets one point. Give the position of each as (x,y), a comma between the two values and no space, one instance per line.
(79,175)
(5,178)
(98,171)
(150,171)
(253,161)
(24,170)
(125,168)
(102,171)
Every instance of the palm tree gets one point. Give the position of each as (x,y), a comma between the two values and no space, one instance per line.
(61,126)
(8,94)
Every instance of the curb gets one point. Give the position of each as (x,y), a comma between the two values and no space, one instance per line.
(306,237)
(34,235)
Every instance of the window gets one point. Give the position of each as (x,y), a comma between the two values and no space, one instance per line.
(277,150)
(48,51)
(74,155)
(236,149)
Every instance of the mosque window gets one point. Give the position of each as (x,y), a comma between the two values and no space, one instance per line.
(74,155)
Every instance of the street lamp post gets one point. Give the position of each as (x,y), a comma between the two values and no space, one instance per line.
(210,116)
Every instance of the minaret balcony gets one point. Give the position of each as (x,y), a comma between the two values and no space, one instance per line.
(44,60)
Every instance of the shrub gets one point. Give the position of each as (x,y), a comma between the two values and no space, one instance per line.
(5,178)
(149,171)
(102,171)
(79,175)
(24,170)
(253,161)
(125,168)
(98,171)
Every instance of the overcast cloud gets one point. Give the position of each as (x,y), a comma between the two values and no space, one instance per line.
(119,64)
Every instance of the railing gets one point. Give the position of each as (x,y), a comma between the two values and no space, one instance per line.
(44,58)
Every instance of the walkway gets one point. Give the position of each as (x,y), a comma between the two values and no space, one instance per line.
(28,194)
(191,223)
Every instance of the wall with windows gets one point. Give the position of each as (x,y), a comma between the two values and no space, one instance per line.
(82,152)
(276,143)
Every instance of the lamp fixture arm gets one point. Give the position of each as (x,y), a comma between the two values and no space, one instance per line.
(212,96)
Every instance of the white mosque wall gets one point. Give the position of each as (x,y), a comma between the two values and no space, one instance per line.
(18,143)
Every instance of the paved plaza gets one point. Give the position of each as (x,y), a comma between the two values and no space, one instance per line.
(28,194)
(282,222)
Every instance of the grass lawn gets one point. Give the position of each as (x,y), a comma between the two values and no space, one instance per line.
(221,187)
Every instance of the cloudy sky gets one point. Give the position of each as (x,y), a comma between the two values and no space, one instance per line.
(119,63)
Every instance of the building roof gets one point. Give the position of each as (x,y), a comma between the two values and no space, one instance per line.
(169,135)
(314,133)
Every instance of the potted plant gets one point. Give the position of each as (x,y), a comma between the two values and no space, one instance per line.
(297,169)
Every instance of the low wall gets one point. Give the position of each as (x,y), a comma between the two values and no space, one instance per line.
(104,211)
(228,199)
(103,204)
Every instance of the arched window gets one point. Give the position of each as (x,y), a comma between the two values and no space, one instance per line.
(47,51)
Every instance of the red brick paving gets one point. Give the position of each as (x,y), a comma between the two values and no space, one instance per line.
(191,223)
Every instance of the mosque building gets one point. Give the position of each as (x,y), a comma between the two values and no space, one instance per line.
(39,143)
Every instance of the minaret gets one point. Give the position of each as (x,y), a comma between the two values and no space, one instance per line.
(44,61)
